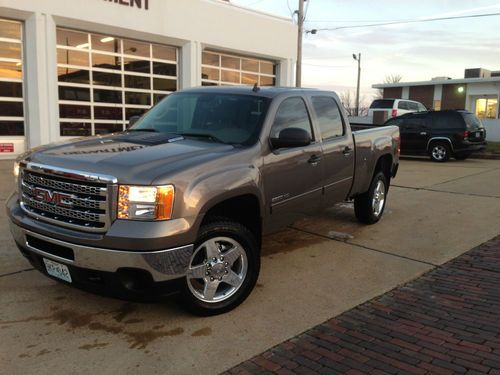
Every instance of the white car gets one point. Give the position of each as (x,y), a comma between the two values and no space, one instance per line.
(395,107)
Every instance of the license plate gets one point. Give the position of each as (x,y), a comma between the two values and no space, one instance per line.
(57,270)
(478,134)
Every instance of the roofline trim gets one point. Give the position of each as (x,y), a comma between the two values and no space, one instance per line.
(439,82)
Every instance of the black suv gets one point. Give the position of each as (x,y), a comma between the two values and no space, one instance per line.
(440,134)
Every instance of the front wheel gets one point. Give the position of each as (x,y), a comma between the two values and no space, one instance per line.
(223,269)
(369,207)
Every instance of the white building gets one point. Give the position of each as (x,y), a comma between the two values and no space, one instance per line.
(83,67)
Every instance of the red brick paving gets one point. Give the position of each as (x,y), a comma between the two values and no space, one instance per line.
(445,322)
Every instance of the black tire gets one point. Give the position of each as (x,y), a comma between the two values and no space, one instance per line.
(364,204)
(440,152)
(462,155)
(224,228)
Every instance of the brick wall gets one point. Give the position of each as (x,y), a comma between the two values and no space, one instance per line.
(393,92)
(452,99)
(423,94)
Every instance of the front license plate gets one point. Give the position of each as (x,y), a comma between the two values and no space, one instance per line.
(57,270)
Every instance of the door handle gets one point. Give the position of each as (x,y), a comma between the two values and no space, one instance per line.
(314,160)
(347,151)
(423,133)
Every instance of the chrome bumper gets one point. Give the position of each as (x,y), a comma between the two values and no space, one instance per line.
(163,265)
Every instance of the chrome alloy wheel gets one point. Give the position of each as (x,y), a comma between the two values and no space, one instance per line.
(217,269)
(378,198)
(439,152)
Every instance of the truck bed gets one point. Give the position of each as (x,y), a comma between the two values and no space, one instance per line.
(370,143)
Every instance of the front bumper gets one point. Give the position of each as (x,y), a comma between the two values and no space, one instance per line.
(162,265)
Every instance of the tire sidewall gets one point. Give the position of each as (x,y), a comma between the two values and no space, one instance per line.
(245,238)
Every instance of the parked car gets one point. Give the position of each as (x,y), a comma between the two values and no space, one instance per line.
(182,199)
(441,134)
(395,107)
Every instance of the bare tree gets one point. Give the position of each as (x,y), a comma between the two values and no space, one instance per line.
(348,99)
(390,78)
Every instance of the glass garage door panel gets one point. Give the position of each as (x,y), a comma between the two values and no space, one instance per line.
(105,80)
(223,69)
(11,79)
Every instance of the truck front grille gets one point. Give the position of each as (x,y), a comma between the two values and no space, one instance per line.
(78,204)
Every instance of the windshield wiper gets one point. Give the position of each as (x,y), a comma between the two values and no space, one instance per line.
(144,130)
(202,135)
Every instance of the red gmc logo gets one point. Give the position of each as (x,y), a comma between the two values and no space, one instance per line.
(53,197)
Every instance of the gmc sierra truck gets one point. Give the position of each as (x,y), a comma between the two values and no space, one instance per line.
(180,201)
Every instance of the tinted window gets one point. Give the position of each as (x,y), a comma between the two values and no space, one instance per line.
(448,120)
(416,122)
(413,106)
(472,121)
(292,113)
(329,118)
(382,103)
(403,105)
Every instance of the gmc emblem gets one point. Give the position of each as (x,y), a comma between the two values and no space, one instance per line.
(53,197)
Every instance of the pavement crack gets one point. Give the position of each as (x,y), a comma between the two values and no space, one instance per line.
(15,273)
(444,191)
(366,247)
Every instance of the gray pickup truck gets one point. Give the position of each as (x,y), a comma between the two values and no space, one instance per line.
(181,200)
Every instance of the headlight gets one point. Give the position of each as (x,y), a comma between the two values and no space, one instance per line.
(145,202)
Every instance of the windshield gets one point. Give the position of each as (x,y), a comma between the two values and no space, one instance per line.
(226,118)
(382,103)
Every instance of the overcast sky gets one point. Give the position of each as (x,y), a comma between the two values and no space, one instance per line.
(414,51)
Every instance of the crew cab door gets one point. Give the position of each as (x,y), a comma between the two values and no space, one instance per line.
(292,177)
(338,149)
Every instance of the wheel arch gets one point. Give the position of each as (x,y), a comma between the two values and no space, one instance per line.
(438,139)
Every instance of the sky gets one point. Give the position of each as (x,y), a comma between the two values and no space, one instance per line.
(417,51)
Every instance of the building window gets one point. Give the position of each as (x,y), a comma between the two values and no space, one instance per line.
(11,79)
(223,69)
(103,80)
(487,108)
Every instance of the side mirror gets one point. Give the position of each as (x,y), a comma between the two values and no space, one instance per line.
(291,137)
(133,120)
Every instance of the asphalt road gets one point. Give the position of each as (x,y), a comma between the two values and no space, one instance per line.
(319,268)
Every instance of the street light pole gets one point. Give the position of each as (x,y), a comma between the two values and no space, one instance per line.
(358,59)
(300,22)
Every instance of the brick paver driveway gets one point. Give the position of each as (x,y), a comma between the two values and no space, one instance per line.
(445,322)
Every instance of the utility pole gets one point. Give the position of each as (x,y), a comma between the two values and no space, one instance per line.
(298,78)
(358,59)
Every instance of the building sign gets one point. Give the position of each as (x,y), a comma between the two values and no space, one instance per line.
(140,4)
(6,147)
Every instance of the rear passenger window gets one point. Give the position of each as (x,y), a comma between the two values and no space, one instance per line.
(413,106)
(329,117)
(292,113)
(448,120)
(403,105)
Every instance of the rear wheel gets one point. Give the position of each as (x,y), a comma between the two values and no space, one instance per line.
(223,269)
(440,152)
(369,207)
(462,155)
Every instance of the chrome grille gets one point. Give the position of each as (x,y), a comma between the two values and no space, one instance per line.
(82,205)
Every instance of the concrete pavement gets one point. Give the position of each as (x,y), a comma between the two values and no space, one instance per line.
(319,268)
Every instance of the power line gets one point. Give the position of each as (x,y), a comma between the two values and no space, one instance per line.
(409,22)
(327,66)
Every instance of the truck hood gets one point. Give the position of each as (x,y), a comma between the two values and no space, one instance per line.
(135,158)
